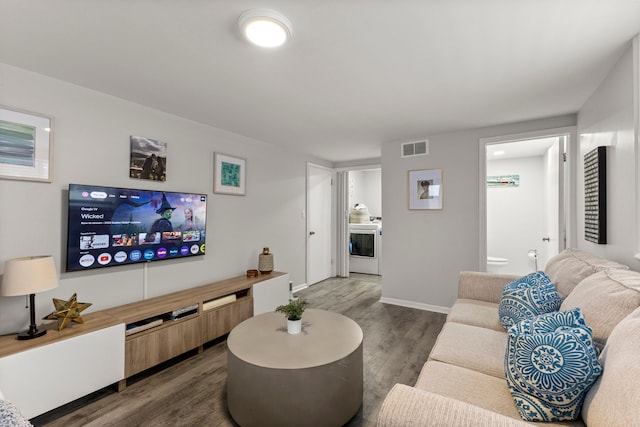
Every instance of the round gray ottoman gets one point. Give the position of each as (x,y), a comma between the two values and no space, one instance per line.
(313,378)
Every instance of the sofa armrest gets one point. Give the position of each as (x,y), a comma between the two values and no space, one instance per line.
(482,286)
(408,406)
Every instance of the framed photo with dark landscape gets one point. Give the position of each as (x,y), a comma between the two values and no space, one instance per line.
(148,159)
(26,145)
(229,175)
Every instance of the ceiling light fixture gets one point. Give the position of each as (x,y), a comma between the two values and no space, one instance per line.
(265,28)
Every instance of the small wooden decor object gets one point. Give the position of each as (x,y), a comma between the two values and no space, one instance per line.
(68,311)
(265,261)
(595,195)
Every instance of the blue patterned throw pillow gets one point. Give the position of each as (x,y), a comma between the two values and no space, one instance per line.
(526,297)
(11,416)
(551,322)
(550,364)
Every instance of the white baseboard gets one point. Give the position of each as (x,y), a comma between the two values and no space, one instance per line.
(417,305)
(299,287)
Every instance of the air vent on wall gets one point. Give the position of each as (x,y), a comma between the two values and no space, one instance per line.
(416,148)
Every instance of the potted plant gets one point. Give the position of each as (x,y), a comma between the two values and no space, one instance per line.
(293,311)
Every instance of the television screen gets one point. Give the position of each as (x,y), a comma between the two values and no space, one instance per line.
(116,226)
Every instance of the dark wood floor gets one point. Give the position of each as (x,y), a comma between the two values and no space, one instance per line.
(191,390)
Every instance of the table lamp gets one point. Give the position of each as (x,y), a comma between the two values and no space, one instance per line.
(27,276)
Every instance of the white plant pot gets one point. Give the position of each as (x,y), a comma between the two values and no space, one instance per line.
(294,326)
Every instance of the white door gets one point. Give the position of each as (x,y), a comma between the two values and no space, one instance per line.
(319,209)
(553,240)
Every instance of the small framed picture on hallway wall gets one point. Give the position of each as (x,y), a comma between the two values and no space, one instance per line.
(425,189)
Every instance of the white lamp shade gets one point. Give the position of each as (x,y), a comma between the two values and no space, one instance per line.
(28,275)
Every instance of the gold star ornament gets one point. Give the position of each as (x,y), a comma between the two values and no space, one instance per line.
(68,311)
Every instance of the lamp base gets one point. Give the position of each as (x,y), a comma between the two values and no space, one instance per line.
(27,335)
(33,331)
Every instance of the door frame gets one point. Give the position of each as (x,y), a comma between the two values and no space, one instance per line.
(567,203)
(343,209)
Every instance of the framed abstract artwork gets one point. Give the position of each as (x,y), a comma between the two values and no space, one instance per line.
(595,195)
(229,175)
(26,145)
(425,189)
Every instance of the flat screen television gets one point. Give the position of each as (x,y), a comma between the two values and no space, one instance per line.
(117,226)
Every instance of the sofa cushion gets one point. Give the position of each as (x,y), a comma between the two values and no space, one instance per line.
(571,266)
(483,286)
(550,364)
(475,313)
(472,387)
(526,297)
(469,386)
(471,347)
(614,399)
(605,298)
(409,406)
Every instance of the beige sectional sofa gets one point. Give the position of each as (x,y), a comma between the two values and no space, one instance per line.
(463,382)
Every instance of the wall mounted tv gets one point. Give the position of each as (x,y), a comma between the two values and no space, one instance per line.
(117,226)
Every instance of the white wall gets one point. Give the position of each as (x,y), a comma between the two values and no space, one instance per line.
(516,215)
(609,118)
(425,250)
(91,146)
(365,187)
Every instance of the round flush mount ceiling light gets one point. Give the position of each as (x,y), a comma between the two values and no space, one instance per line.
(265,28)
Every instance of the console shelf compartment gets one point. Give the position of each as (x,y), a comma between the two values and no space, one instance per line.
(181,321)
(90,355)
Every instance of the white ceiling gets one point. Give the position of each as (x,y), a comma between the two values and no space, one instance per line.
(356,74)
(519,149)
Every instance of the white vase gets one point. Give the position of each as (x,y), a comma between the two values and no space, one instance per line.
(294,326)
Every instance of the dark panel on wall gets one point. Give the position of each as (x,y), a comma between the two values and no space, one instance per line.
(595,195)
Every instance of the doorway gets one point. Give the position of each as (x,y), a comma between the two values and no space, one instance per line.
(330,196)
(364,237)
(524,190)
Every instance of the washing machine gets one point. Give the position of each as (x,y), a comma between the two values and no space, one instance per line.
(365,247)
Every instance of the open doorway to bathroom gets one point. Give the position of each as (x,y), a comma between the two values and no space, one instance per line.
(524,188)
